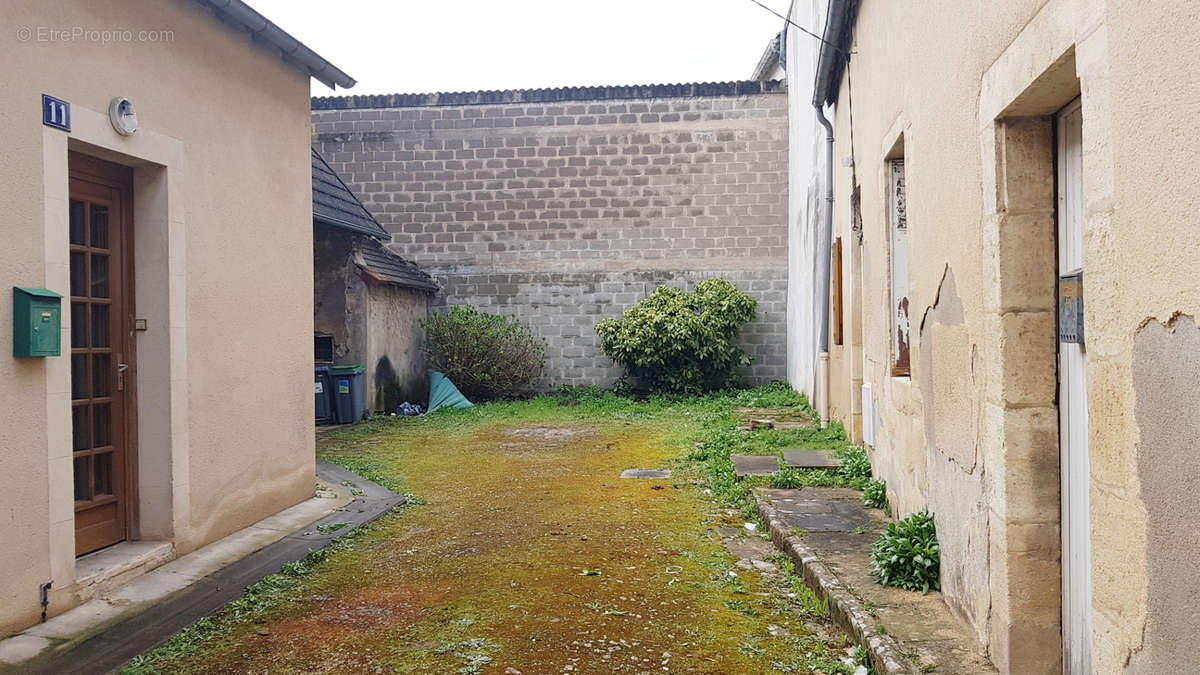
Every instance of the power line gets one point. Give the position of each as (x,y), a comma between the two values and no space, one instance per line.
(800,28)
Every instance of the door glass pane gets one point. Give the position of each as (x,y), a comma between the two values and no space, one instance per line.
(81,479)
(101,375)
(77,224)
(79,376)
(80,429)
(99,276)
(101,334)
(78,274)
(102,474)
(99,226)
(101,425)
(79,331)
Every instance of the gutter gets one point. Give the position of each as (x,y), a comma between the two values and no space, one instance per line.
(831,61)
(240,15)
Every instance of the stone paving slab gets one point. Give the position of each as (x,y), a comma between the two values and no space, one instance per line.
(811,459)
(816,512)
(905,631)
(754,465)
(646,473)
(781,417)
(765,465)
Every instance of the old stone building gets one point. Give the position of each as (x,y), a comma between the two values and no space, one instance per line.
(1011,303)
(368,302)
(566,206)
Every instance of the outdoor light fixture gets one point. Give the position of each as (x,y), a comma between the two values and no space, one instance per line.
(122,116)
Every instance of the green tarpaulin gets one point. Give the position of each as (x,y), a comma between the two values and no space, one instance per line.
(443,393)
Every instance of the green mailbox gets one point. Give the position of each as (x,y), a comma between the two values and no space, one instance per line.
(37,322)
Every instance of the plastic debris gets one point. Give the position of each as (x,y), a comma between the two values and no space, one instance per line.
(409,409)
(443,393)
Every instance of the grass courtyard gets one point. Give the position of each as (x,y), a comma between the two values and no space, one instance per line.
(523,551)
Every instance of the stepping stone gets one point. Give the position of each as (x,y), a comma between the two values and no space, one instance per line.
(811,459)
(797,508)
(754,465)
(793,426)
(645,473)
(765,465)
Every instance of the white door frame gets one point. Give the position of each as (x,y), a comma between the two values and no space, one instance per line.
(1072,408)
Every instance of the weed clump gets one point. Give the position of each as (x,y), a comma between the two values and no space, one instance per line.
(875,494)
(908,555)
(856,467)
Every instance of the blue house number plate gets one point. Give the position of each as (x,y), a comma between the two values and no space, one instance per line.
(56,113)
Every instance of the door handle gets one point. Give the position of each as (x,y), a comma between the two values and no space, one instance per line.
(121,368)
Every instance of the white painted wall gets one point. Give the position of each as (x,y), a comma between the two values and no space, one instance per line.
(806,167)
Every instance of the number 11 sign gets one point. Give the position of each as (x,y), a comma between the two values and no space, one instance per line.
(56,113)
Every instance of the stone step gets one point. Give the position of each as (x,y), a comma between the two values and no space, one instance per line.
(811,459)
(765,465)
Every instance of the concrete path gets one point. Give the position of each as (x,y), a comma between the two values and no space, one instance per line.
(108,631)
(829,534)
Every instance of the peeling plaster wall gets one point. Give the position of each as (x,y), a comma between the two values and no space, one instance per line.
(339,294)
(376,326)
(1166,375)
(952,417)
(396,366)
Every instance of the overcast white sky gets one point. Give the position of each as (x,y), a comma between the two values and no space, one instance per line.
(409,46)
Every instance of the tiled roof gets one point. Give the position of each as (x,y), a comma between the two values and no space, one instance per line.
(384,266)
(560,94)
(334,204)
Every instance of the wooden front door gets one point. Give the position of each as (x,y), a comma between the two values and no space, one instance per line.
(102,358)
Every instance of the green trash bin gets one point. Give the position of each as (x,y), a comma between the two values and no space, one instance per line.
(349,393)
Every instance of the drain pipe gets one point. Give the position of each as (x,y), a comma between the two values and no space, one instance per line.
(824,247)
(832,58)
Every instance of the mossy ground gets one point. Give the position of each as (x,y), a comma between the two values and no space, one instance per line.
(529,552)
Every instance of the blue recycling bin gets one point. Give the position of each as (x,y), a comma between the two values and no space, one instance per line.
(349,393)
(323,389)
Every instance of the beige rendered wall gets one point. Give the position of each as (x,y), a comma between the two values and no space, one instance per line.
(972,434)
(236,118)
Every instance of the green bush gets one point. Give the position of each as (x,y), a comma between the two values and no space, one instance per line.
(908,555)
(875,494)
(680,342)
(486,356)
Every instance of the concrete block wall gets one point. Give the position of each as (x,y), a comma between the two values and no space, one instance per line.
(564,207)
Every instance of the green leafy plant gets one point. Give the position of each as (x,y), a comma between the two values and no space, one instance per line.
(680,342)
(487,356)
(786,478)
(875,494)
(908,555)
(856,467)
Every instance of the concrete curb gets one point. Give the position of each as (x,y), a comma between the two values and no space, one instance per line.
(845,609)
